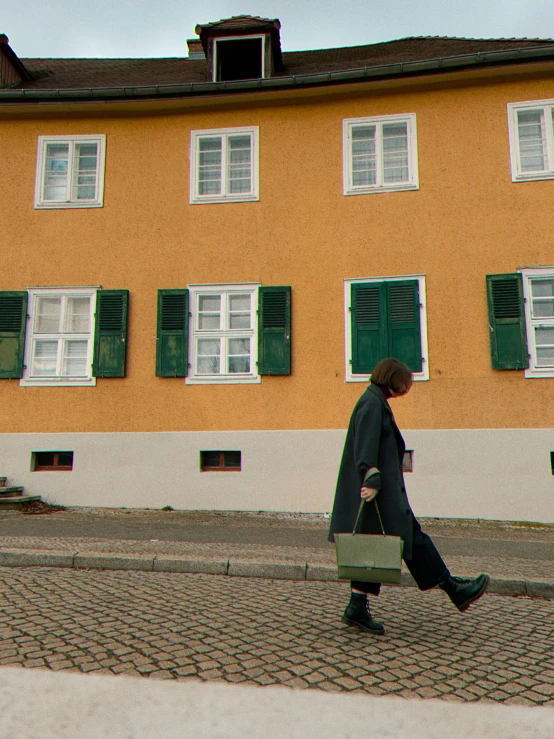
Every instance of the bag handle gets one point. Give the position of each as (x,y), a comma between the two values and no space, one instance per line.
(360,513)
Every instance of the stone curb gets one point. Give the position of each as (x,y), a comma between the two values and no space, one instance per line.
(232,567)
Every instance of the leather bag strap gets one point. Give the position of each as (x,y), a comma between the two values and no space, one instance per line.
(360,509)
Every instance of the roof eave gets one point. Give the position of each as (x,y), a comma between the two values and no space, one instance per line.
(363,74)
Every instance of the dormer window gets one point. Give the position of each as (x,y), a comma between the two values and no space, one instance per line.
(238,58)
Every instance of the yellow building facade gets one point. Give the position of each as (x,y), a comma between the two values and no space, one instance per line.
(426,179)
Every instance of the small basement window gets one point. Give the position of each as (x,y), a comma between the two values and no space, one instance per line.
(52,461)
(408,461)
(238,59)
(220,461)
(552,462)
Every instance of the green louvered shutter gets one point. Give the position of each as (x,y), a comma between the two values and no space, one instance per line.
(110,340)
(172,333)
(13,322)
(369,326)
(403,312)
(507,322)
(274,330)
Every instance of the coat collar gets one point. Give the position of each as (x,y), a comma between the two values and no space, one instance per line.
(379,393)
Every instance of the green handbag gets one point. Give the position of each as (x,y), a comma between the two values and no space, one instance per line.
(369,558)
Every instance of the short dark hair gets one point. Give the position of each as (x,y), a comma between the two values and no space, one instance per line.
(393,374)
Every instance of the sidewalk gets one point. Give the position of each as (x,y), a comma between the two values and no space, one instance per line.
(519,558)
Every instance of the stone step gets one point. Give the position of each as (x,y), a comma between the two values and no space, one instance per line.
(17,502)
(11,492)
(3,482)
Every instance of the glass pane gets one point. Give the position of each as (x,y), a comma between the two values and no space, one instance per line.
(77,318)
(84,171)
(545,356)
(207,321)
(209,303)
(543,308)
(239,365)
(239,346)
(542,288)
(65,459)
(239,302)
(208,356)
(395,152)
(44,459)
(239,164)
(45,356)
(74,362)
(209,312)
(209,166)
(47,319)
(231,459)
(364,160)
(544,335)
(239,355)
(55,172)
(210,459)
(532,140)
(239,320)
(239,315)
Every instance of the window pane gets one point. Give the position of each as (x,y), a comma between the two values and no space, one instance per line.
(44,459)
(239,302)
(231,459)
(543,308)
(77,318)
(209,351)
(395,152)
(210,459)
(209,312)
(48,315)
(45,356)
(55,172)
(239,355)
(542,288)
(239,164)
(544,340)
(364,161)
(84,171)
(532,140)
(209,166)
(239,312)
(65,459)
(74,362)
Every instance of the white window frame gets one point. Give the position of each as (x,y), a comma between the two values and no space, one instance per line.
(235,38)
(33,295)
(43,141)
(513,110)
(413,182)
(534,370)
(418,376)
(224,134)
(223,379)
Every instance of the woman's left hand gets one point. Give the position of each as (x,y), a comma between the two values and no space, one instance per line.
(368,493)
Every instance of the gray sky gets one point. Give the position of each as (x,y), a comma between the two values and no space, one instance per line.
(146,28)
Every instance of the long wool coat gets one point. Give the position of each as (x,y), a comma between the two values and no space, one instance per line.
(373,440)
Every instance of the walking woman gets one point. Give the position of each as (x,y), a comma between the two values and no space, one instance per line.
(372,464)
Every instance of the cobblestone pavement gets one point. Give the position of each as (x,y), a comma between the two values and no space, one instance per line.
(265,632)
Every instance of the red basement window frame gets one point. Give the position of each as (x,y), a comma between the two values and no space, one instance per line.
(220,461)
(52,461)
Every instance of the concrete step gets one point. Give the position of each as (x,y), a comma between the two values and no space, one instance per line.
(17,501)
(10,492)
(3,482)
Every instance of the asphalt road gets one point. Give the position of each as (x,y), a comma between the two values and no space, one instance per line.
(475,542)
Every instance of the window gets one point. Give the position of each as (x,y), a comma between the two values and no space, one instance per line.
(538,292)
(408,461)
(385,317)
(224,165)
(530,127)
(52,461)
(238,58)
(224,333)
(59,342)
(380,154)
(220,461)
(70,172)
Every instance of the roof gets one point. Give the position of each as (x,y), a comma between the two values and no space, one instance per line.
(412,55)
(238,22)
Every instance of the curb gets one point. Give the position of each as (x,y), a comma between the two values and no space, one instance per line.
(230,567)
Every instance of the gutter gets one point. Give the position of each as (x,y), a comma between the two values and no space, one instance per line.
(192,89)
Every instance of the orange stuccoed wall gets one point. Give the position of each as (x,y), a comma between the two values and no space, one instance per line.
(466,220)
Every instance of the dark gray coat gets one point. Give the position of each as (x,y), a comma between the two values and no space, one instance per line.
(373,440)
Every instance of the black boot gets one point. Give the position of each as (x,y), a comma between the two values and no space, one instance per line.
(357,614)
(464,591)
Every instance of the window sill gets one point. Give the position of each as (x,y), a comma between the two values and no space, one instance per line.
(418,377)
(375,190)
(537,374)
(533,177)
(64,206)
(252,380)
(85,382)
(226,199)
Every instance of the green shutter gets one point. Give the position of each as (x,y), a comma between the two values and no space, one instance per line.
(403,311)
(274,329)
(13,322)
(172,333)
(369,326)
(507,322)
(110,341)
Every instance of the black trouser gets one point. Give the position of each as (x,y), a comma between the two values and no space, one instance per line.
(426,565)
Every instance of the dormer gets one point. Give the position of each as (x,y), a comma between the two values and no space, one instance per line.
(12,70)
(243,47)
